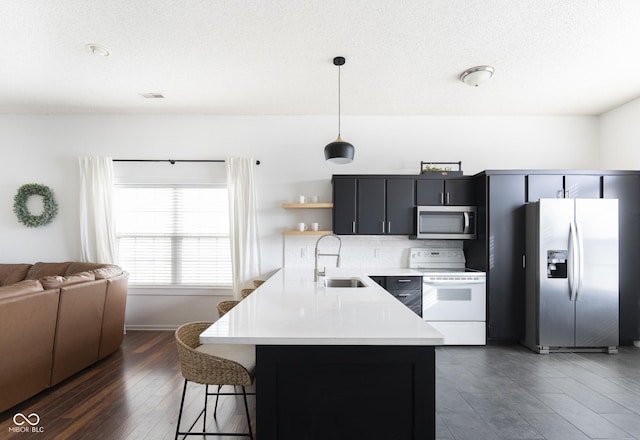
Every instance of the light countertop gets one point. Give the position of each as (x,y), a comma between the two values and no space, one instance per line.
(291,309)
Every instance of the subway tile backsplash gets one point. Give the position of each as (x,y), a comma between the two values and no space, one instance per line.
(358,251)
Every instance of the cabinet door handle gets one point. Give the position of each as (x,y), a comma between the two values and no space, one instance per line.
(442,198)
(382,227)
(404,281)
(448,198)
(388,227)
(403,295)
(353,227)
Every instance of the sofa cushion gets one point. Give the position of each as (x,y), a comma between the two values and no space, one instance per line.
(12,273)
(20,288)
(55,281)
(77,266)
(107,272)
(40,270)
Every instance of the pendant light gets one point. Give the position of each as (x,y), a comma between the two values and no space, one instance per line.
(339,151)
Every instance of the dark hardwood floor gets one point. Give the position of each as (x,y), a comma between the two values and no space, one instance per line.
(133,394)
(482,393)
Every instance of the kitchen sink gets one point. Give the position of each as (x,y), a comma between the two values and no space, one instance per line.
(344,282)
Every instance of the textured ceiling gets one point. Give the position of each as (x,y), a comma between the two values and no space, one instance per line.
(552,57)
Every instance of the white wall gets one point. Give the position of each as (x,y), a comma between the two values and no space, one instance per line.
(44,149)
(620,137)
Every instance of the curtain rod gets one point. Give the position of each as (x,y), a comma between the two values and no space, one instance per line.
(173,161)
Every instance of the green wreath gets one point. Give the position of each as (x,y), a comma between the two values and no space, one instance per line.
(49,205)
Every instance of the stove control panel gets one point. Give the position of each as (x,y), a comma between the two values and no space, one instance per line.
(424,257)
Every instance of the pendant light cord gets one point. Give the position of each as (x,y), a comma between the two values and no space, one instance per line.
(339,100)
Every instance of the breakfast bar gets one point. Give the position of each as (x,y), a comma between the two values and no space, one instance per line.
(335,362)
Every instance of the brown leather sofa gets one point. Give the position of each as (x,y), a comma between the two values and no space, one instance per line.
(55,320)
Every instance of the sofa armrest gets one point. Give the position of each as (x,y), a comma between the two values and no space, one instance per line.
(114,313)
(27,326)
(79,325)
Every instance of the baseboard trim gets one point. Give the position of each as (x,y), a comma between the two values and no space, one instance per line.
(167,327)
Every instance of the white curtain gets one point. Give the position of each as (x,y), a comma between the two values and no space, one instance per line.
(97,224)
(243,221)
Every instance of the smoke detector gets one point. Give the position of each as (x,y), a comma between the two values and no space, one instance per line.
(98,50)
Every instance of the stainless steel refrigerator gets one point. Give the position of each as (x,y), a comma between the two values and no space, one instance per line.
(571,266)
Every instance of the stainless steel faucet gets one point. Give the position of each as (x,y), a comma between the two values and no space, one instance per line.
(316,273)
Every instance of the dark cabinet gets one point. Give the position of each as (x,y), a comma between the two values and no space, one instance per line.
(400,206)
(570,186)
(344,206)
(380,280)
(373,206)
(500,246)
(371,217)
(542,186)
(627,190)
(505,250)
(582,187)
(407,290)
(457,192)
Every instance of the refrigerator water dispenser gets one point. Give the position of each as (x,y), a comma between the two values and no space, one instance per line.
(557,264)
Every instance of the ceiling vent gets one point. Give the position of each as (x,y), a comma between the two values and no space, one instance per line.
(152,95)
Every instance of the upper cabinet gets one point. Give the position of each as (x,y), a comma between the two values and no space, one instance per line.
(371,205)
(344,205)
(551,186)
(385,205)
(455,192)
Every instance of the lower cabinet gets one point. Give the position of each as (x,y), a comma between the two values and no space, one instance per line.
(407,290)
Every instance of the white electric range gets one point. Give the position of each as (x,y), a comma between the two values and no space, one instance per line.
(453,297)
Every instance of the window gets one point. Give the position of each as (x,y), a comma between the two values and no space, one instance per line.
(174,235)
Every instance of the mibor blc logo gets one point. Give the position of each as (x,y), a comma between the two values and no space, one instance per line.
(26,423)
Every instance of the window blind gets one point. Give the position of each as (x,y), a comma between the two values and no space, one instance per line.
(174,235)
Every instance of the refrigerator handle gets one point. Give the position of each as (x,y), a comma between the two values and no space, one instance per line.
(580,260)
(573,243)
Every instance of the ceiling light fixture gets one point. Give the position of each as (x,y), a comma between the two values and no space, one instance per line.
(477,75)
(98,50)
(339,151)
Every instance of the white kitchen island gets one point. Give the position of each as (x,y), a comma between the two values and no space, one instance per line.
(335,362)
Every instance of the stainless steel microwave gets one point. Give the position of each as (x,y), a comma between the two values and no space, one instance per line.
(446,222)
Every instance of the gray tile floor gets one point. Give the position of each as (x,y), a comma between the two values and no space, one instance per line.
(506,392)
